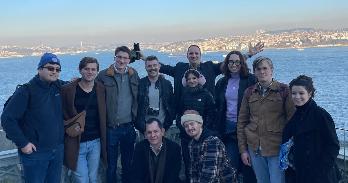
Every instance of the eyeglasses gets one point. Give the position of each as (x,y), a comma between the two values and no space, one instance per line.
(51,69)
(120,57)
(235,62)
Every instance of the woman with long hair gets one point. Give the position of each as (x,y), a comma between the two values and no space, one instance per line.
(229,93)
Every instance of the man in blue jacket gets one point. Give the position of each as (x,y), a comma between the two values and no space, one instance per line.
(33,120)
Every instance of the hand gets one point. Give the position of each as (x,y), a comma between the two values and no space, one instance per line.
(29,148)
(253,50)
(246,158)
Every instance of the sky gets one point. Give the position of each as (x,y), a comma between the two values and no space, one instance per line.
(67,22)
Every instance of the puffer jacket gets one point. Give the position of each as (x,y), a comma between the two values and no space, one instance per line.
(201,100)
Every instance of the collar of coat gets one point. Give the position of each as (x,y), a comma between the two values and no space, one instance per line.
(273,87)
(111,71)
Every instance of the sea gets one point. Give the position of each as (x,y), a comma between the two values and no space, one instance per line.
(328,66)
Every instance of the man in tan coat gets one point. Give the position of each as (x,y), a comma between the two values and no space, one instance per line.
(266,107)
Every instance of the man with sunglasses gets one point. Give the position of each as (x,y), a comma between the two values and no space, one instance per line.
(121,84)
(33,120)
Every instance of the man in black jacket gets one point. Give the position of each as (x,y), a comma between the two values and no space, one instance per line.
(155,96)
(156,159)
(208,69)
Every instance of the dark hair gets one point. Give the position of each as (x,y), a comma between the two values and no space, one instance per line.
(193,45)
(88,60)
(192,71)
(153,120)
(124,49)
(244,70)
(150,58)
(259,59)
(304,81)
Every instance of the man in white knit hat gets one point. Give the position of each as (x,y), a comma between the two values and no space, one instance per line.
(208,159)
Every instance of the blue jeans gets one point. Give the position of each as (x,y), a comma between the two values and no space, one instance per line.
(125,137)
(231,144)
(266,168)
(43,165)
(88,162)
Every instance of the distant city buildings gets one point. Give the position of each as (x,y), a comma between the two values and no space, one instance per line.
(295,38)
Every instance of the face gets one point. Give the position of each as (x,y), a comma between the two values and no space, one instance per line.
(234,63)
(154,134)
(194,55)
(121,60)
(49,72)
(300,95)
(264,72)
(193,129)
(89,72)
(192,80)
(152,67)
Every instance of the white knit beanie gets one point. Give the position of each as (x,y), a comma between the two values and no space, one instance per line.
(191,117)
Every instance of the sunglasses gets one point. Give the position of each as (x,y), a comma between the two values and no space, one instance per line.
(51,69)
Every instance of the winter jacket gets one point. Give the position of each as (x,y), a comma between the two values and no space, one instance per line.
(261,119)
(316,145)
(208,69)
(140,162)
(220,99)
(107,77)
(72,144)
(166,96)
(201,100)
(35,115)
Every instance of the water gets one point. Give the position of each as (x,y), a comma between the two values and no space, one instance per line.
(327,66)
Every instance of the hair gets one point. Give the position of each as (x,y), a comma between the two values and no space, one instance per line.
(154,120)
(124,49)
(150,58)
(259,59)
(193,45)
(304,81)
(191,111)
(192,71)
(88,60)
(244,70)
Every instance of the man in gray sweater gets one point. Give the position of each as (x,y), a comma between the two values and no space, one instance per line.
(121,84)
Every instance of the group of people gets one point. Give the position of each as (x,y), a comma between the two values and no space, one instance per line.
(229,132)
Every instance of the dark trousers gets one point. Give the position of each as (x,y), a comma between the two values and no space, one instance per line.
(186,155)
(43,165)
(125,137)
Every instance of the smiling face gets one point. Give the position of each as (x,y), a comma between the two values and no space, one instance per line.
(234,63)
(89,72)
(154,134)
(49,72)
(193,129)
(152,68)
(194,55)
(300,95)
(191,80)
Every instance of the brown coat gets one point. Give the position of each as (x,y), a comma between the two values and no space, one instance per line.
(262,119)
(72,145)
